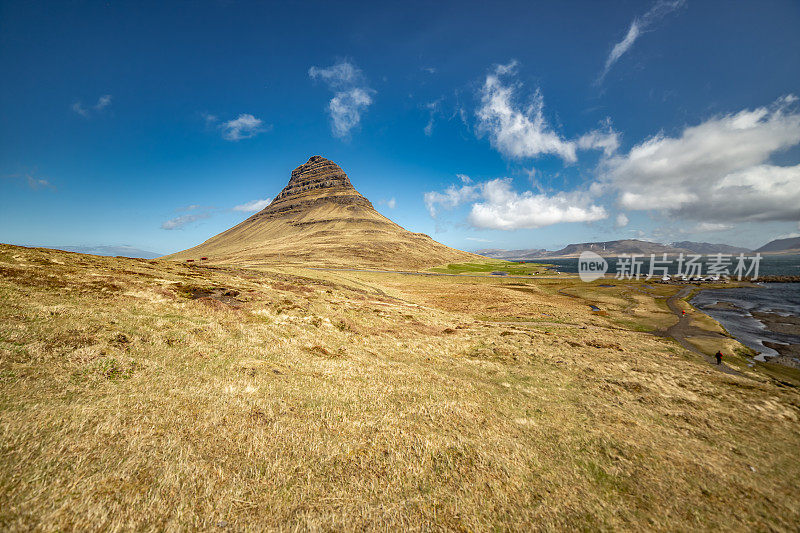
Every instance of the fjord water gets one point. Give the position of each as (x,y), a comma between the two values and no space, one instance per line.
(737,318)
(778,298)
(770,265)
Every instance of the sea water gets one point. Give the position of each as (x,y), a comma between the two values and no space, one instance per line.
(778,298)
(770,265)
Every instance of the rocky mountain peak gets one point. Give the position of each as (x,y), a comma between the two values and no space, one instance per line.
(316,173)
(319,218)
(317,181)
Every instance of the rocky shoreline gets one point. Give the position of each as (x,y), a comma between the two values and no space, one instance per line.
(775,325)
(789,325)
(777,279)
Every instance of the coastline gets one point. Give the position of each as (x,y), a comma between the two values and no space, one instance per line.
(774,337)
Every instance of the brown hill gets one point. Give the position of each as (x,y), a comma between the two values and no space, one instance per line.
(320,219)
(781,246)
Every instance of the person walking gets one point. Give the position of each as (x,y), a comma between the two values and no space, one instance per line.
(719,357)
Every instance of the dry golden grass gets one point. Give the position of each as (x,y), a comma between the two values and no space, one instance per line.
(159,396)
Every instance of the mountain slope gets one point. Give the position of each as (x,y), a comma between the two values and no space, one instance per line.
(513,255)
(320,219)
(707,248)
(790,245)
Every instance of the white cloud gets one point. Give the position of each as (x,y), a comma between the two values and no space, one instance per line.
(622,220)
(392,203)
(103,102)
(182,221)
(524,132)
(244,126)
(341,75)
(351,96)
(211,120)
(503,208)
(607,141)
(433,110)
(451,198)
(623,46)
(252,207)
(637,27)
(500,207)
(718,171)
(517,132)
(79,109)
(477,239)
(464,178)
(706,227)
(346,108)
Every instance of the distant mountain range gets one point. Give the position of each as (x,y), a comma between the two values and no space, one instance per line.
(635,246)
(113,251)
(514,255)
(705,248)
(781,246)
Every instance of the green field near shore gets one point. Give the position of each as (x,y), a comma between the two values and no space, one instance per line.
(512,268)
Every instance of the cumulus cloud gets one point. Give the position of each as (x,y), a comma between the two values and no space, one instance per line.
(523,132)
(182,221)
(637,27)
(252,207)
(451,197)
(501,207)
(718,171)
(622,220)
(103,102)
(244,126)
(351,96)
(606,140)
(392,203)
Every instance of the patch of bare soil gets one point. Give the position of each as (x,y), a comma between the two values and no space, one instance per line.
(219,294)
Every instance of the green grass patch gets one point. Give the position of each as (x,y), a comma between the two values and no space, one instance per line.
(513,269)
(782,373)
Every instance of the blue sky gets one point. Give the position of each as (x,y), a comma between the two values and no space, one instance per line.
(485,125)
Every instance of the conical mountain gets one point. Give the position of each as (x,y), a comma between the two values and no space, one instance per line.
(320,219)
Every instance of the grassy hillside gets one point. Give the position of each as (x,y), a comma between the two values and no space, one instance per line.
(157,395)
(319,219)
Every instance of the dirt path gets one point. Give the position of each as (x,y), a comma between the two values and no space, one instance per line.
(682,329)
